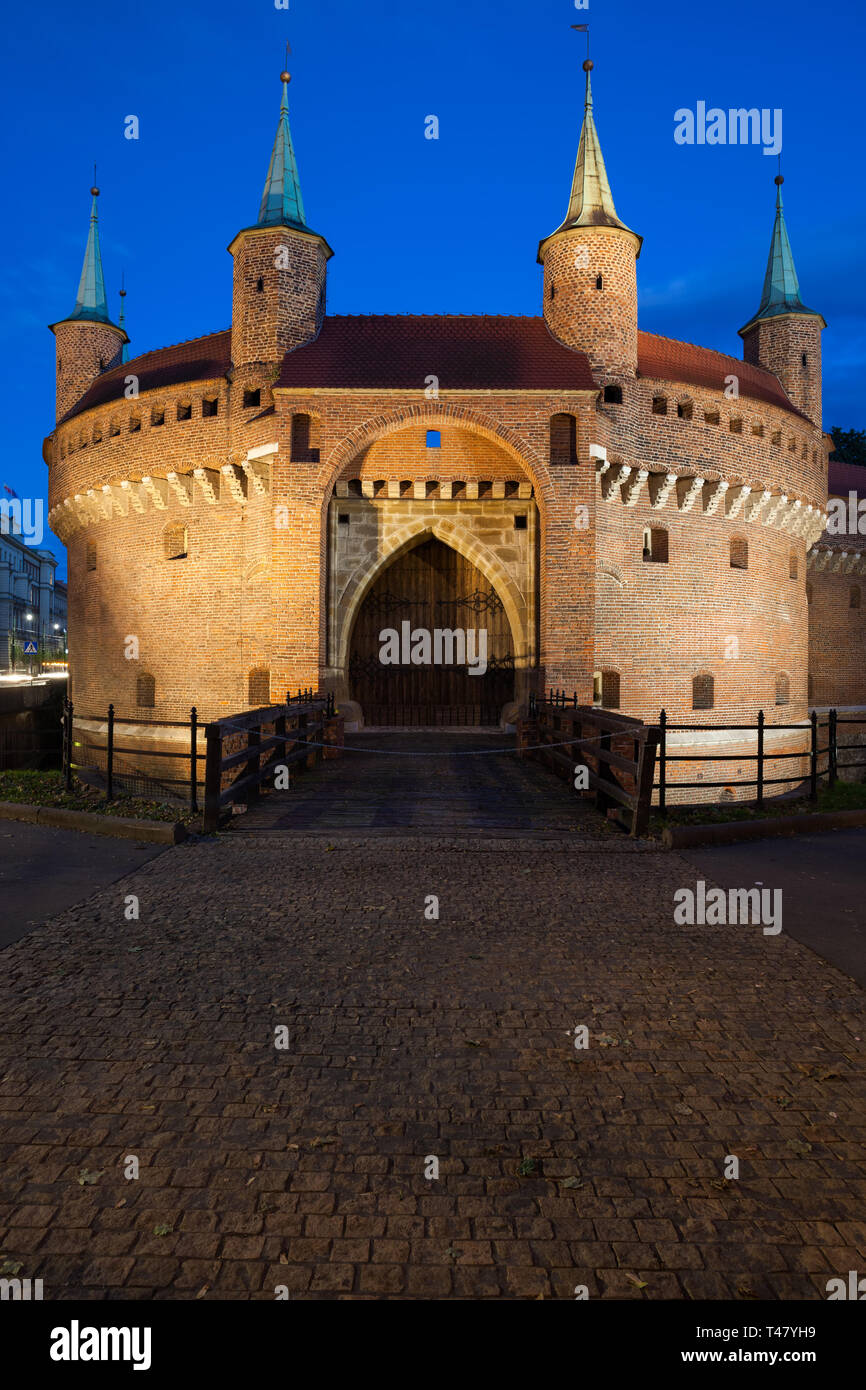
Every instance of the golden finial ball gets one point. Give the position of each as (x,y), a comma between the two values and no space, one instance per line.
(779,179)
(94,192)
(588,65)
(285,77)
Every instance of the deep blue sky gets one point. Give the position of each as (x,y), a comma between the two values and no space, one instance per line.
(420,226)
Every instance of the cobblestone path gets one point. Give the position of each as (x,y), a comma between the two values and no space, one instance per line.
(410,1038)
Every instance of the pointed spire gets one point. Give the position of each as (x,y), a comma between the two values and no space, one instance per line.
(124,351)
(591,203)
(282,204)
(781,293)
(91,302)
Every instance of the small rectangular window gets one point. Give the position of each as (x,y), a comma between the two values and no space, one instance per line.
(711,417)
(520,521)
(252,398)
(735,426)
(209,407)
(184,412)
(157,418)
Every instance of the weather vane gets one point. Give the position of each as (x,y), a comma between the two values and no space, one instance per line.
(583,29)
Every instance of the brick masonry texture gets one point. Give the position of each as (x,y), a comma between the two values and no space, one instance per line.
(264,581)
(408,1038)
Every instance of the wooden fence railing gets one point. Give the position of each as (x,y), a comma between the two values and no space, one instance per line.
(619,753)
(297,740)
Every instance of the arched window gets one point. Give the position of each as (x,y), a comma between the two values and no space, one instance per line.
(613,395)
(174,541)
(655,545)
(145,691)
(783,688)
(703,691)
(209,407)
(808,593)
(793,567)
(599,282)
(260,285)
(252,396)
(259,687)
(563,439)
(739,553)
(854,596)
(610,689)
(660,405)
(684,410)
(91,555)
(304,441)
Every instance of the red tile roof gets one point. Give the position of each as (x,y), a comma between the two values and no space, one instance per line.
(845,478)
(199,359)
(466,352)
(697,366)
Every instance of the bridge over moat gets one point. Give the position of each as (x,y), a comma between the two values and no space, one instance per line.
(436,782)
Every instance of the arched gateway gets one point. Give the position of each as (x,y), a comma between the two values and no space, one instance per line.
(431,643)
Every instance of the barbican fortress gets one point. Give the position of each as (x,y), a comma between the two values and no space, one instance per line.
(637,520)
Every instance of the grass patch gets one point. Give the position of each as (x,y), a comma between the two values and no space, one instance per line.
(49,789)
(845,796)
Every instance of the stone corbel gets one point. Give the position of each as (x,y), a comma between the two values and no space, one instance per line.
(791,517)
(341,489)
(632,489)
(419,489)
(133,492)
(157,490)
(524,491)
(209,481)
(236,483)
(660,488)
(687,492)
(117,499)
(472,489)
(613,480)
(736,500)
(446,489)
(777,505)
(181,486)
(713,495)
(756,505)
(367,489)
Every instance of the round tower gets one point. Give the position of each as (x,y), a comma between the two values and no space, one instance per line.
(87,342)
(280,265)
(784,336)
(590,271)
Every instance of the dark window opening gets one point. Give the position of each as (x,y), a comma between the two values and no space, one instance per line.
(613,395)
(259,687)
(739,553)
(660,405)
(520,521)
(655,545)
(735,426)
(854,596)
(184,412)
(563,439)
(610,689)
(343,519)
(252,398)
(302,449)
(793,566)
(209,407)
(157,418)
(783,689)
(599,283)
(145,692)
(684,410)
(260,285)
(134,425)
(175,542)
(711,417)
(552,291)
(91,555)
(703,691)
(804,360)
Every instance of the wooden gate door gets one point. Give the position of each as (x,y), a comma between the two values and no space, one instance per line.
(431,586)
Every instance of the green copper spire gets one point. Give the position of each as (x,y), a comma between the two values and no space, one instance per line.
(282,204)
(781,294)
(91,302)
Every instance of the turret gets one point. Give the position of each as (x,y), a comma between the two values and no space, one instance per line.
(784,336)
(590,272)
(87,342)
(280,265)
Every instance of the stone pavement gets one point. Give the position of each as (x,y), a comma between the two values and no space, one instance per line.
(410,1038)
